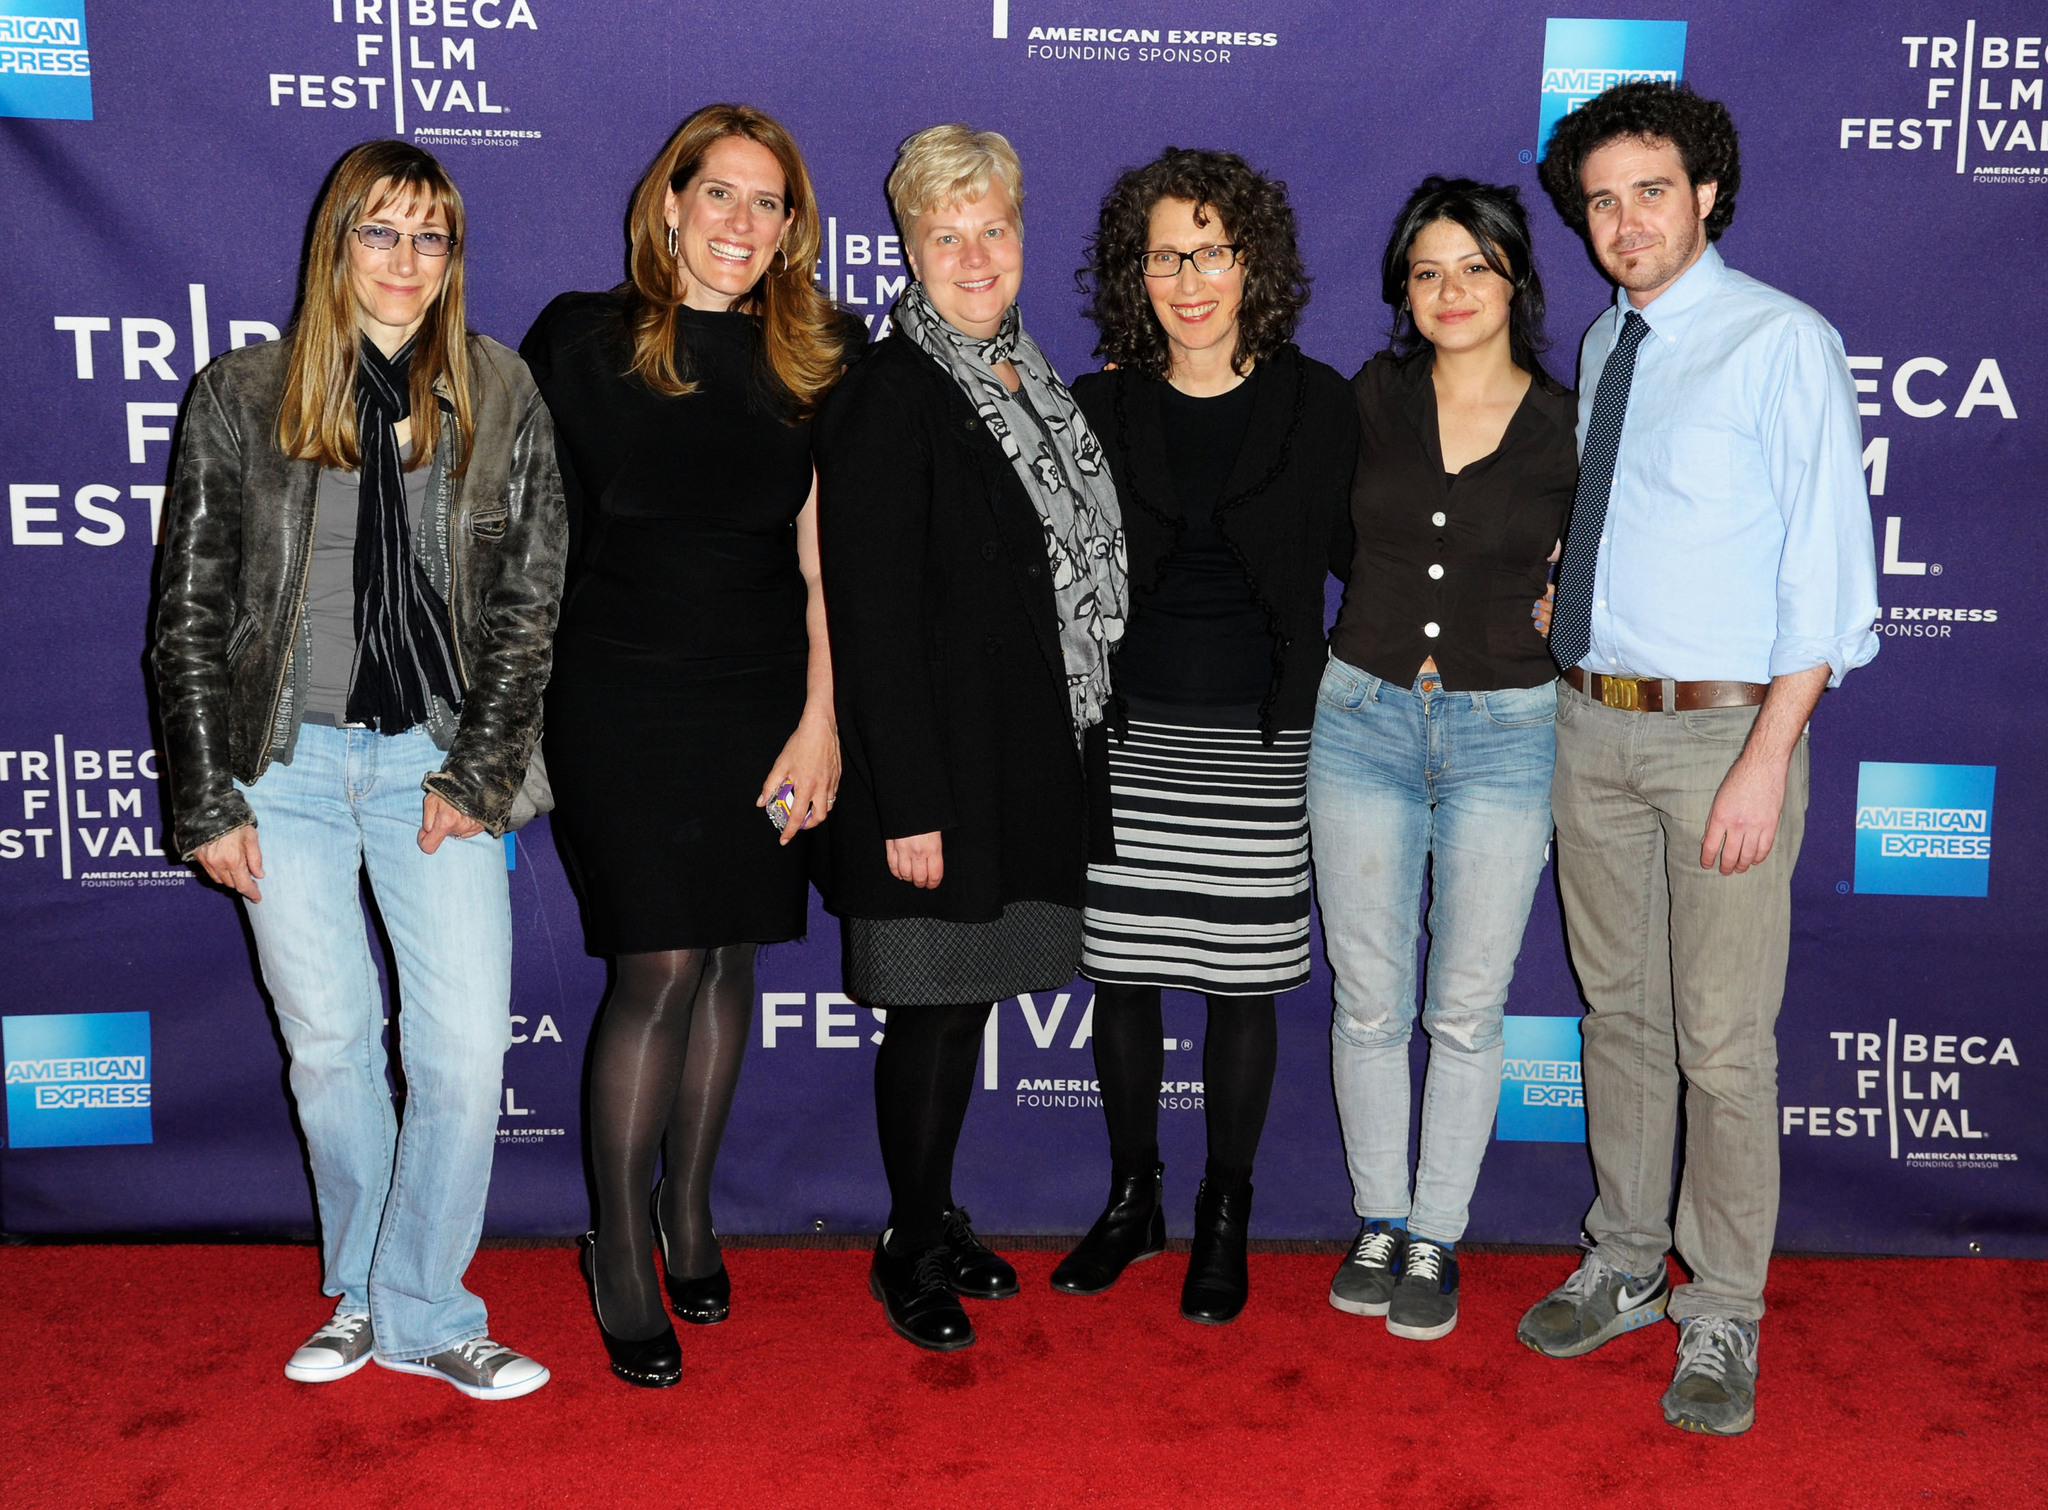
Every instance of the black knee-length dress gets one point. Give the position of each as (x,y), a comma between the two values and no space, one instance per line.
(680,664)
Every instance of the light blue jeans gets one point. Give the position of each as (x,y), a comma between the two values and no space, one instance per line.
(1405,783)
(401,1206)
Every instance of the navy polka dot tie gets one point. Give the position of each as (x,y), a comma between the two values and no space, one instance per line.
(1571,629)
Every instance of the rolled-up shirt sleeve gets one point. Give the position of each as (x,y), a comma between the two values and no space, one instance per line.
(1813,445)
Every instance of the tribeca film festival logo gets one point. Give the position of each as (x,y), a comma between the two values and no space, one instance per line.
(76,1079)
(1972,100)
(45,69)
(92,813)
(1582,59)
(515,1124)
(1921,1076)
(1160,46)
(1924,830)
(1542,1092)
(833,1020)
(418,60)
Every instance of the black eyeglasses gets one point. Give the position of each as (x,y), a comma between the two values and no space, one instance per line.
(1207,259)
(381,238)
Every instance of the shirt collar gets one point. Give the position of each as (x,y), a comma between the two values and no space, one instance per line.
(1671,312)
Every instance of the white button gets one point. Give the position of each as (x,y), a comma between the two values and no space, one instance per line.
(1431,629)
(1601,604)
(1437,518)
(1436,571)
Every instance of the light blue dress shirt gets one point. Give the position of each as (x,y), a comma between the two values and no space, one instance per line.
(1738,543)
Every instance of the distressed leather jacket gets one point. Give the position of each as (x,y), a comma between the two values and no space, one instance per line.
(238,539)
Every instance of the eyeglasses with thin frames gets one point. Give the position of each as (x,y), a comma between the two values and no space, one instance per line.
(1207,259)
(381,238)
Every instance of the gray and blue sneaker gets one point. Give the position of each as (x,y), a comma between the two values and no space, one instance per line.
(1714,1388)
(1425,1303)
(1596,1305)
(1365,1281)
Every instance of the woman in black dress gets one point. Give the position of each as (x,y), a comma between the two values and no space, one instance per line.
(693,680)
(975,566)
(1233,455)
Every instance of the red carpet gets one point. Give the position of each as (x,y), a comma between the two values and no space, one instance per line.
(152,1376)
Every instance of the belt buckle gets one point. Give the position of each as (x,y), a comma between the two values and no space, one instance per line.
(1621,692)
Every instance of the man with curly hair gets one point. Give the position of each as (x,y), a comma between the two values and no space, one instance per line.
(1718,573)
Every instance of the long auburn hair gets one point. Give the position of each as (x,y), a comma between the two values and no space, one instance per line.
(801,340)
(316,419)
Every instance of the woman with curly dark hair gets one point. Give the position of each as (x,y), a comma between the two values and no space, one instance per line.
(1232,454)
(1434,733)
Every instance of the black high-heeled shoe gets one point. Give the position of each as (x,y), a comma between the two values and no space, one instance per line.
(703,1301)
(1219,1279)
(651,1362)
(1132,1227)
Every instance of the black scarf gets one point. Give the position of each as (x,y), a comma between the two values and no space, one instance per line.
(404,653)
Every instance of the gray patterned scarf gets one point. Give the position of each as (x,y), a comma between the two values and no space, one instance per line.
(1063,470)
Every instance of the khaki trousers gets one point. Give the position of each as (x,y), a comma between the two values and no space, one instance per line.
(1683,971)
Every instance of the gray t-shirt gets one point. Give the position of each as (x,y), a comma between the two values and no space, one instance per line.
(331,584)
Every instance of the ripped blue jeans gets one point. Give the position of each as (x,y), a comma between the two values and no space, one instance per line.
(1406,783)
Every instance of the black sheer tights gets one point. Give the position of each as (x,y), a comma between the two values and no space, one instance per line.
(924,1078)
(663,1064)
(1239,1053)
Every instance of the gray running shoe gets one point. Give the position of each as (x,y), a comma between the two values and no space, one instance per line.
(480,1368)
(1425,1304)
(1714,1389)
(1364,1285)
(1597,1304)
(337,1350)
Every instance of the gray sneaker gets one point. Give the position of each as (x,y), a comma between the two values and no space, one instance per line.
(1425,1304)
(480,1368)
(1597,1304)
(1364,1285)
(337,1350)
(1714,1389)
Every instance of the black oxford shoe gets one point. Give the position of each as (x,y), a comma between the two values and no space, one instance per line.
(1219,1281)
(1132,1227)
(975,1272)
(918,1298)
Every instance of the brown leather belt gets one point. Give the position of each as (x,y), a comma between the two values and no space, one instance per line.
(1645,695)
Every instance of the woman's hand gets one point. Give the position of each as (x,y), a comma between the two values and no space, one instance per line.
(919,859)
(810,764)
(441,819)
(1541,611)
(234,860)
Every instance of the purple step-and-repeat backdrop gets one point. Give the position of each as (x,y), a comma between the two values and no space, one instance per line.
(159,162)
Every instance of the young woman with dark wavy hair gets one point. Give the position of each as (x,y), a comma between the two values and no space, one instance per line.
(1434,733)
(693,679)
(1232,454)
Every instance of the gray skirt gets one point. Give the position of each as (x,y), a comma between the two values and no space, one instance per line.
(929,962)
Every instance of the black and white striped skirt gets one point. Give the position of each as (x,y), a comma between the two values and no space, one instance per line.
(1211,889)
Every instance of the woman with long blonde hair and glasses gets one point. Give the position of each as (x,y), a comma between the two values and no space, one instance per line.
(362,562)
(691,736)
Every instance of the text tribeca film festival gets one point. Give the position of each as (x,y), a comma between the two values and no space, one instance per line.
(1937,101)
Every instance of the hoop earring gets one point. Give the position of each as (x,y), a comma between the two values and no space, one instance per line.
(671,241)
(784,255)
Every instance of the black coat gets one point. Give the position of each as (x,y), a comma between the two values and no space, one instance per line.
(1286,510)
(951,689)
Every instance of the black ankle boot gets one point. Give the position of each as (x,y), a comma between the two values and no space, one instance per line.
(651,1362)
(1132,1227)
(974,1270)
(917,1296)
(1218,1281)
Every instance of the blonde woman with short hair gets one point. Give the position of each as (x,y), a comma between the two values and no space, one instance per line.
(974,559)
(362,562)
